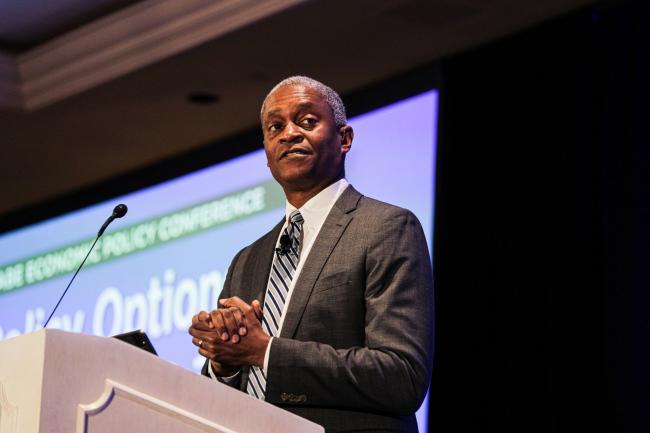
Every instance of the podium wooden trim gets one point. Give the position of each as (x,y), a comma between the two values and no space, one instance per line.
(116,390)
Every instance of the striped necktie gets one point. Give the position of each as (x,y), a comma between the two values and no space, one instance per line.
(282,270)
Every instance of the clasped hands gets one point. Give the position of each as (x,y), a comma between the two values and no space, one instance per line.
(231,336)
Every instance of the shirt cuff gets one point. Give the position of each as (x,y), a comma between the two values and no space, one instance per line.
(266,356)
(228,380)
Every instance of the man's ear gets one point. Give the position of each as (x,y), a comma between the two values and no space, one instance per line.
(347,135)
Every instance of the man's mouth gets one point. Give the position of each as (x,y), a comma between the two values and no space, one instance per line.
(294,152)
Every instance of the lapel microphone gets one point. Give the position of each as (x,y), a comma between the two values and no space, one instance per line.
(285,245)
(118,212)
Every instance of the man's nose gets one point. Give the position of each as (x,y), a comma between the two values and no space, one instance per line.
(291,134)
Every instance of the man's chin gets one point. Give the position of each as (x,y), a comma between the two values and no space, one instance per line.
(292,175)
(295,181)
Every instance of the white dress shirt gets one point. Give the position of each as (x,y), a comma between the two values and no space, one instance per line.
(314,212)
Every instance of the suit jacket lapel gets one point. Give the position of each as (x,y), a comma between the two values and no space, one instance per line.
(260,264)
(329,235)
(254,281)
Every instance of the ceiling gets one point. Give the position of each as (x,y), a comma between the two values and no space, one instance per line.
(91,90)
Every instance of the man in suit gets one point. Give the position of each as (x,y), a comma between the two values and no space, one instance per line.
(330,314)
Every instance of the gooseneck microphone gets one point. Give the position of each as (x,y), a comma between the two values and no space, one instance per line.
(118,212)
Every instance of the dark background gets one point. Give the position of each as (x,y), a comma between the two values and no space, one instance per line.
(541,245)
(541,253)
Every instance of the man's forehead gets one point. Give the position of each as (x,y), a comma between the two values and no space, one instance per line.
(292,96)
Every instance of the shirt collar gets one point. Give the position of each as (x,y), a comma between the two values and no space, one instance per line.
(316,209)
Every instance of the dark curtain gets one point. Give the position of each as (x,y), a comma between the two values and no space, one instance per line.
(542,242)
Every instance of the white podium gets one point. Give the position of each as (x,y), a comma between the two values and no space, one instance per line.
(58,382)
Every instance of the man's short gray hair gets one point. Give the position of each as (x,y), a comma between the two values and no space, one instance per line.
(329,95)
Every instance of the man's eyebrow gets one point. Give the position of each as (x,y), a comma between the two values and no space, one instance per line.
(299,107)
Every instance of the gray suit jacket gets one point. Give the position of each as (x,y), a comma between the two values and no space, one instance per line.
(356,347)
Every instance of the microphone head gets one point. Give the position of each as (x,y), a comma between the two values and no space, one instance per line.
(285,245)
(120,210)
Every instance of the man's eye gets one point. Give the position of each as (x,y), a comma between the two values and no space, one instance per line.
(274,127)
(309,122)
